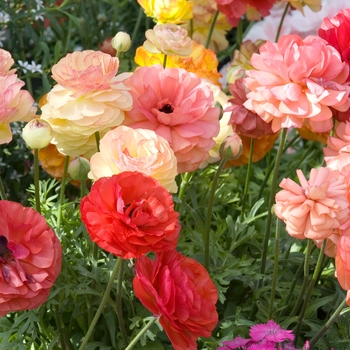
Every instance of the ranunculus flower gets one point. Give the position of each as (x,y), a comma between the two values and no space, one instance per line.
(88,98)
(6,62)
(296,79)
(317,207)
(167,11)
(169,39)
(30,258)
(331,244)
(201,61)
(314,5)
(142,150)
(180,291)
(342,261)
(178,106)
(235,9)
(130,214)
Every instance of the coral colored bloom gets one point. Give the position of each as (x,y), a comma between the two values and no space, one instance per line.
(235,9)
(6,62)
(202,61)
(30,258)
(331,244)
(167,11)
(178,290)
(130,214)
(296,79)
(169,39)
(88,98)
(307,133)
(317,207)
(178,106)
(127,149)
(270,331)
(342,261)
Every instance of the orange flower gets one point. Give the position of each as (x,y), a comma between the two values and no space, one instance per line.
(202,61)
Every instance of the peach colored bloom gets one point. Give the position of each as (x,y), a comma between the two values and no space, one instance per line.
(168,39)
(142,150)
(307,133)
(202,61)
(342,261)
(88,99)
(167,11)
(314,209)
(6,62)
(331,244)
(297,79)
(178,106)
(30,258)
(106,47)
(314,5)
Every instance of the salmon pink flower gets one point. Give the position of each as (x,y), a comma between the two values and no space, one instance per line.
(342,261)
(30,258)
(142,150)
(178,290)
(317,207)
(88,98)
(178,106)
(6,62)
(130,214)
(296,79)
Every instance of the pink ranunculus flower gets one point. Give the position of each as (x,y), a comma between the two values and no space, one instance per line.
(331,244)
(15,105)
(6,62)
(342,261)
(317,207)
(142,150)
(88,98)
(296,79)
(30,258)
(178,106)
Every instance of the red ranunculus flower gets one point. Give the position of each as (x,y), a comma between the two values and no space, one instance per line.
(180,291)
(30,258)
(130,214)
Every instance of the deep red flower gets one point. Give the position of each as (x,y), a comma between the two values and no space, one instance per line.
(30,258)
(130,214)
(180,291)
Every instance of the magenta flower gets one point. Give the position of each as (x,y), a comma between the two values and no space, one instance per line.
(270,331)
(236,343)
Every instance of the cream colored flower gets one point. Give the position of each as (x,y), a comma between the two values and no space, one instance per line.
(169,39)
(126,149)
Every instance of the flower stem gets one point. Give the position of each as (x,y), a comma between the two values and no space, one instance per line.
(206,237)
(275,268)
(328,324)
(141,333)
(2,190)
(271,201)
(164,61)
(119,303)
(185,179)
(62,190)
(281,22)
(239,34)
(102,304)
(309,290)
(97,138)
(249,171)
(212,25)
(36,181)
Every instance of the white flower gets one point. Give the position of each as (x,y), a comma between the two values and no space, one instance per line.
(4,17)
(23,65)
(2,37)
(33,67)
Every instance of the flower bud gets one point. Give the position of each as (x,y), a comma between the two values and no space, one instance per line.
(79,168)
(231,148)
(37,134)
(121,42)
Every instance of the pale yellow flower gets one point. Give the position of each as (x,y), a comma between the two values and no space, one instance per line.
(142,150)
(167,11)
(315,5)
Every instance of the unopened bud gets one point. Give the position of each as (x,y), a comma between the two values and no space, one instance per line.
(234,74)
(37,134)
(121,42)
(79,168)
(231,148)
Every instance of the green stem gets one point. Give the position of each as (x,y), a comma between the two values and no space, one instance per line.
(309,290)
(102,305)
(137,25)
(281,22)
(2,190)
(97,138)
(239,34)
(206,237)
(82,188)
(185,179)
(212,25)
(247,180)
(328,324)
(164,60)
(62,190)
(141,333)
(272,200)
(275,268)
(119,303)
(36,181)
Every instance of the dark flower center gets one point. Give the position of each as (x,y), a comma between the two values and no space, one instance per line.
(4,250)
(167,109)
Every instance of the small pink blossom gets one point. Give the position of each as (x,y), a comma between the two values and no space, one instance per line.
(270,331)
(236,343)
(342,261)
(6,62)
(317,207)
(296,79)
